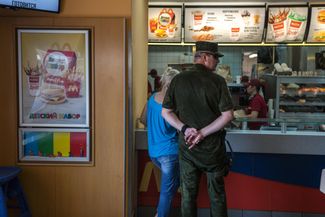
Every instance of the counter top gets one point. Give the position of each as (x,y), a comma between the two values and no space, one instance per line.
(262,141)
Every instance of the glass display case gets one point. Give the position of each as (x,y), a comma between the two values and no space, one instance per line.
(297,126)
(300,96)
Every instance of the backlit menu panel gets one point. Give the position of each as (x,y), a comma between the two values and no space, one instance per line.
(286,24)
(164,23)
(317,25)
(224,24)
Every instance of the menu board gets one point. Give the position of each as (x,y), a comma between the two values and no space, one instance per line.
(317,25)
(164,24)
(224,24)
(286,24)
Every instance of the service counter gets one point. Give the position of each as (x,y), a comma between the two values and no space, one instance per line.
(276,170)
(264,141)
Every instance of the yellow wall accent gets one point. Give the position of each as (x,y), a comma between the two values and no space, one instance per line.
(139,55)
(145,179)
(61,143)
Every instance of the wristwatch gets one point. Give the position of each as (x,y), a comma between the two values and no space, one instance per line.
(184,127)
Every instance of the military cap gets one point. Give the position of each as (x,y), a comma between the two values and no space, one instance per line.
(208,47)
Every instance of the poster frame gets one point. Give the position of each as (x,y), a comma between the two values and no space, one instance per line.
(51,158)
(61,33)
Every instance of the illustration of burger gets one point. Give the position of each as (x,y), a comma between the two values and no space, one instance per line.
(321,17)
(319,36)
(53,95)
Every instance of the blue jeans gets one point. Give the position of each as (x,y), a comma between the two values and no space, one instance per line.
(169,166)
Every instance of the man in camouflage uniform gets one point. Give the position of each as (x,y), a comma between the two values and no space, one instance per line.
(199,105)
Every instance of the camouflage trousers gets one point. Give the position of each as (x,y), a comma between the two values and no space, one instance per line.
(190,181)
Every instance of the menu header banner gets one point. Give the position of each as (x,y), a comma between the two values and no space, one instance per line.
(286,24)
(224,24)
(164,23)
(316,32)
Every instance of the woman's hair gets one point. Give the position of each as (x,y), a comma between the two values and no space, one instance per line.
(168,76)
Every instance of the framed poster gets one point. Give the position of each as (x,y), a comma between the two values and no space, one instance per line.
(316,32)
(223,24)
(53,72)
(165,23)
(54,145)
(286,24)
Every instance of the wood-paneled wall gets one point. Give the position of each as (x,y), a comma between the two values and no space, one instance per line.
(73,191)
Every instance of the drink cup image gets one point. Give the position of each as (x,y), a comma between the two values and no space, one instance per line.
(279,24)
(34,83)
(171,30)
(234,32)
(279,31)
(197,18)
(257,19)
(34,79)
(295,23)
(153,24)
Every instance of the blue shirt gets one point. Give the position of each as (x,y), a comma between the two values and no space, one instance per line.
(162,137)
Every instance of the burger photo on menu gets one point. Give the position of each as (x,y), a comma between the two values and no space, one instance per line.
(321,17)
(319,36)
(317,25)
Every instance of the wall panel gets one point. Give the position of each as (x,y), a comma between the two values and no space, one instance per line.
(68,191)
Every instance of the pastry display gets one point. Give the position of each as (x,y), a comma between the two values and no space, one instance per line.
(302,101)
(293,86)
(300,97)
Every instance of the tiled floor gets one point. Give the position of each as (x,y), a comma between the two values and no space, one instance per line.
(150,212)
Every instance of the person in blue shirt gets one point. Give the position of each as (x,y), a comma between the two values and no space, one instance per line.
(162,144)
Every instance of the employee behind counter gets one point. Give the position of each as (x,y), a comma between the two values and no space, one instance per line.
(256,108)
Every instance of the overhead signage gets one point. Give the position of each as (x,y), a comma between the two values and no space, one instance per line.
(48,5)
(224,24)
(317,25)
(286,24)
(164,23)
